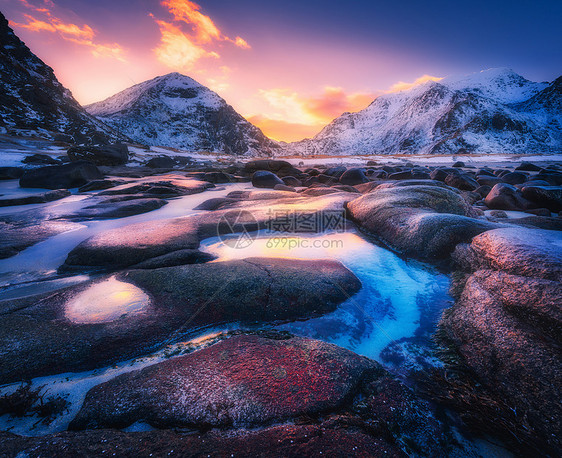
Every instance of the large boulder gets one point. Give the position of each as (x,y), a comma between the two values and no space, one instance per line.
(504,196)
(544,196)
(120,317)
(279,168)
(117,154)
(507,324)
(265,179)
(161,162)
(421,221)
(353,177)
(228,384)
(65,176)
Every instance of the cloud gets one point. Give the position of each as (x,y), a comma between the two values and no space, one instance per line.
(401,85)
(203,29)
(176,50)
(82,35)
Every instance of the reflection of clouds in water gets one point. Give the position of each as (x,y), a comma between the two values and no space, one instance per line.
(106,301)
(393,303)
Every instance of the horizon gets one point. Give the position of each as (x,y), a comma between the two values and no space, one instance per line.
(267,74)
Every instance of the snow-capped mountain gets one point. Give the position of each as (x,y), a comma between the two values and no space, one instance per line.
(176,111)
(32,99)
(493,111)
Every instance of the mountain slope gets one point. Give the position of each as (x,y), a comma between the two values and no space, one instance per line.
(31,97)
(176,111)
(494,111)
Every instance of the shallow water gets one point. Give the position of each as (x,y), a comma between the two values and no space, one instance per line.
(399,299)
(398,305)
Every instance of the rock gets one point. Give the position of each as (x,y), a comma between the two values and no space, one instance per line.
(459,164)
(282,187)
(117,208)
(346,188)
(462,182)
(284,440)
(117,154)
(488,181)
(117,248)
(11,173)
(527,167)
(539,212)
(65,176)
(218,177)
(44,197)
(216,203)
(161,188)
(514,178)
(336,172)
(544,196)
(327,179)
(98,185)
(352,177)
(504,327)
(292,182)
(421,221)
(161,162)
(312,172)
(519,251)
(504,196)
(402,175)
(539,222)
(439,174)
(265,179)
(485,172)
(228,384)
(279,168)
(17,237)
(498,214)
(368,187)
(36,336)
(176,258)
(552,177)
(483,191)
(40,159)
(402,183)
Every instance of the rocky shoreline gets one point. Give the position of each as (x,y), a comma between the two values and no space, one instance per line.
(278,393)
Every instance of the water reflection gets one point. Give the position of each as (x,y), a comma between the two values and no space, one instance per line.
(399,299)
(106,301)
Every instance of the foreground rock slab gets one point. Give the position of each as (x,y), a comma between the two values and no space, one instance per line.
(286,440)
(228,384)
(149,307)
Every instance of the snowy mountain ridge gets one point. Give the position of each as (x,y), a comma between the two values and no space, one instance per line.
(493,111)
(34,101)
(176,111)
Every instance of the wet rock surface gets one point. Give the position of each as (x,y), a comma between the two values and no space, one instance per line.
(60,176)
(506,323)
(228,385)
(287,440)
(421,221)
(117,154)
(37,332)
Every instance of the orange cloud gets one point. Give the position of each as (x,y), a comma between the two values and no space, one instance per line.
(176,49)
(83,36)
(204,29)
(401,85)
(283,130)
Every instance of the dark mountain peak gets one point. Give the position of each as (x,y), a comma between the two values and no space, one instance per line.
(32,99)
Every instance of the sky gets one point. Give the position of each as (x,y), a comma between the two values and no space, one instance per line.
(292,66)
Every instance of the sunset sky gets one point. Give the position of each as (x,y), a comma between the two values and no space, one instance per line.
(291,66)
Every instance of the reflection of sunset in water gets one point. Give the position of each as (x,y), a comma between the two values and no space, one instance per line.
(106,301)
(288,246)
